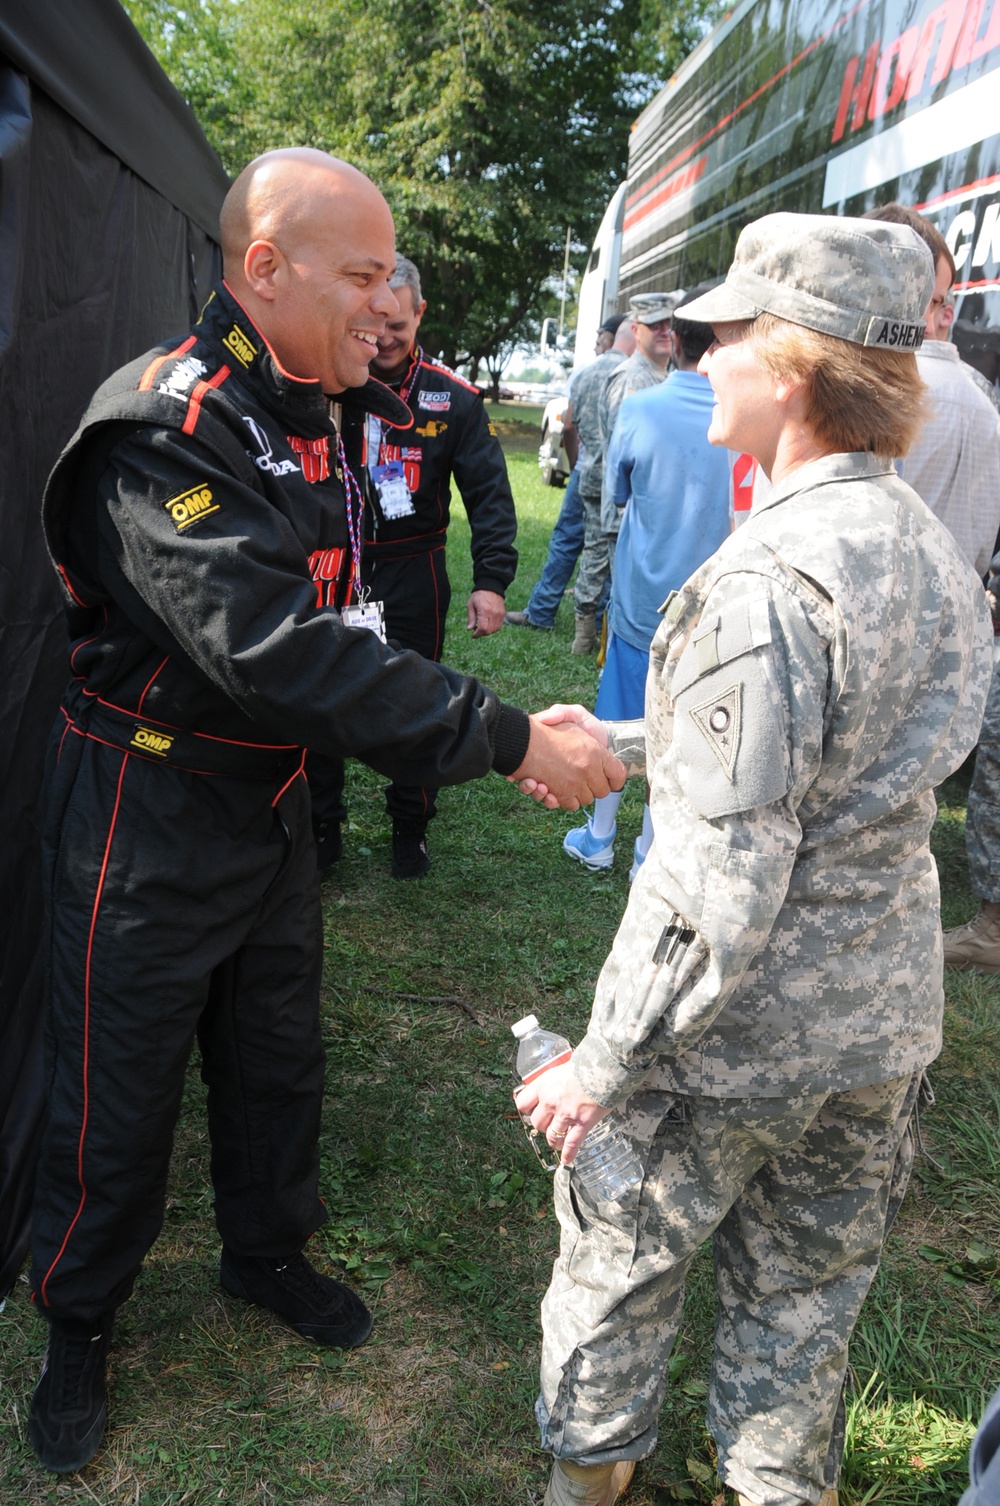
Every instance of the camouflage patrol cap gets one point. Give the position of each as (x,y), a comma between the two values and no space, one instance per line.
(866,281)
(650,308)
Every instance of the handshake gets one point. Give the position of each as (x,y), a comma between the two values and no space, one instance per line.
(567,763)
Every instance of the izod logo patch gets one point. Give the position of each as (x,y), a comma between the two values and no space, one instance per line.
(190,506)
(145,740)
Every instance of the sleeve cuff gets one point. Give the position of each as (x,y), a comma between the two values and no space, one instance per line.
(510,737)
(601,1076)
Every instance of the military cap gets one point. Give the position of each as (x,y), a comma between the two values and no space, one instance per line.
(650,308)
(867,281)
(611,323)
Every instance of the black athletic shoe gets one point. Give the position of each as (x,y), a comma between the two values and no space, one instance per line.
(409,851)
(329,845)
(69,1410)
(316,1306)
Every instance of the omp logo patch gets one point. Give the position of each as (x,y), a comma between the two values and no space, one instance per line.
(240,345)
(191,506)
(431,430)
(145,740)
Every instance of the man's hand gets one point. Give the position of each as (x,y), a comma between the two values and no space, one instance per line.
(484,613)
(555,716)
(567,765)
(558,1107)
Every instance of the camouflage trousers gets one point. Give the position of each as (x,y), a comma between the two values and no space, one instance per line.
(982,821)
(797,1196)
(594,567)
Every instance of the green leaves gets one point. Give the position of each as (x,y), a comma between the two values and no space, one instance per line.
(489,127)
(979,1263)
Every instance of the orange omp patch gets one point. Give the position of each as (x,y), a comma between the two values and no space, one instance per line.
(145,740)
(191,506)
(431,429)
(238,343)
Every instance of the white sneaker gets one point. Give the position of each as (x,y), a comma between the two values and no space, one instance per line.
(593,852)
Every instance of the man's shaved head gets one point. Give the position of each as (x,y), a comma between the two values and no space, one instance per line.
(278,197)
(308,246)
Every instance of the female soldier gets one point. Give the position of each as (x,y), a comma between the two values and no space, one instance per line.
(774,992)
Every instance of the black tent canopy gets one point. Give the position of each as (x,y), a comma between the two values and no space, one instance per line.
(109,204)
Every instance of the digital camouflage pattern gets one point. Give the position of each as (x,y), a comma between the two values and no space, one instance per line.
(588,384)
(634,375)
(650,308)
(797,1195)
(982,822)
(867,281)
(592,571)
(807,689)
(775,987)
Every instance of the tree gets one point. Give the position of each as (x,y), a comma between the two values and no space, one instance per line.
(490,125)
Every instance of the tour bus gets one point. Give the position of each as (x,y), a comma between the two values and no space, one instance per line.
(817,107)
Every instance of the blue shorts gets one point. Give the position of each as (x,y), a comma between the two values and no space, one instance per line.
(621,695)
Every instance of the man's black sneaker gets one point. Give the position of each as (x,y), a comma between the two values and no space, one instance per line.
(409,852)
(69,1410)
(329,845)
(316,1306)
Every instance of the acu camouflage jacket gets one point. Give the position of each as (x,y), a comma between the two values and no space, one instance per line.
(808,687)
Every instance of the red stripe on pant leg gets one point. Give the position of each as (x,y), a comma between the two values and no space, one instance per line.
(437,608)
(86,1034)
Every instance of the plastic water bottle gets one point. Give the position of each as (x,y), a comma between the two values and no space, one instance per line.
(606,1163)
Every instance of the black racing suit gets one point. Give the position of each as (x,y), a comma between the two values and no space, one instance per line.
(404,557)
(198,522)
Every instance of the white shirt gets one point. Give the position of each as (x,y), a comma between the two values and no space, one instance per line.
(954,465)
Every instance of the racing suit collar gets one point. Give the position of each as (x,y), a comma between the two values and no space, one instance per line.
(225,321)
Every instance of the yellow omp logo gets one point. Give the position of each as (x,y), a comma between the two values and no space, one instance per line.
(148,741)
(431,429)
(190,506)
(239,345)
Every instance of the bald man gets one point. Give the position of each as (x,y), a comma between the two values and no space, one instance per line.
(206,524)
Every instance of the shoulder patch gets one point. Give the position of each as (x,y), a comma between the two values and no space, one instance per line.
(719,721)
(191,506)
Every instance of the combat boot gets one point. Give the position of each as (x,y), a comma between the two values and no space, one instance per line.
(587,1484)
(585,637)
(976,944)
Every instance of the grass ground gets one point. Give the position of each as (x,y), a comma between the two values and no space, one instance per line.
(440,1215)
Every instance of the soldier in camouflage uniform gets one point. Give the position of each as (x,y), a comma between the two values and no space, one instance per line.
(593,581)
(775,989)
(644,366)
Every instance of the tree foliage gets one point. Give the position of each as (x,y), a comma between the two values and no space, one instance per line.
(490,125)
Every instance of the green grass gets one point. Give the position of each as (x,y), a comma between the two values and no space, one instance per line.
(440,1215)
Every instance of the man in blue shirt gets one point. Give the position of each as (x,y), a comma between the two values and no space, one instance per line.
(673,487)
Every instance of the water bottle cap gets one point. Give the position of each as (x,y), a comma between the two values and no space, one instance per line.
(525,1026)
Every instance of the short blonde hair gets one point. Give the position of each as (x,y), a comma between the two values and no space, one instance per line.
(859,398)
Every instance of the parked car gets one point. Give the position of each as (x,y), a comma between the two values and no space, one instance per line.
(552,458)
